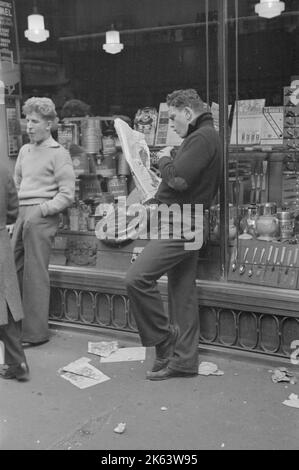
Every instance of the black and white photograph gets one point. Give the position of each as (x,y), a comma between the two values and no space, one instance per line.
(149,229)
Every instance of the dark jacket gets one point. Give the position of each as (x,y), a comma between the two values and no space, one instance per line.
(193,177)
(9,288)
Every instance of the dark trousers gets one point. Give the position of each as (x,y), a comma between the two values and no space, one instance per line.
(10,334)
(157,258)
(32,241)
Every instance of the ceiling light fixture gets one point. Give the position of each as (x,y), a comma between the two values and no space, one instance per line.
(36,31)
(113,44)
(269,8)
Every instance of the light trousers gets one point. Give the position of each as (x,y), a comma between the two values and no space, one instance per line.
(32,241)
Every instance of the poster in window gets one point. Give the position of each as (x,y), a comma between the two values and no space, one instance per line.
(247,122)
(14,136)
(165,135)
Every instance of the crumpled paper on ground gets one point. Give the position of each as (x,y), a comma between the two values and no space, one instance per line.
(292,401)
(120,428)
(82,374)
(209,368)
(282,374)
(102,348)
(126,354)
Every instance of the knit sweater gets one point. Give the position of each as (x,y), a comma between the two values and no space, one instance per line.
(44,175)
(193,176)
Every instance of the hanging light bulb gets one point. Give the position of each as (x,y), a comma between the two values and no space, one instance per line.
(269,8)
(36,31)
(113,44)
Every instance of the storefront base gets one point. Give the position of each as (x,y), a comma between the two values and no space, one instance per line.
(253,319)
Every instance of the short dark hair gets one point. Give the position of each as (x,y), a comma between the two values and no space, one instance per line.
(182,98)
(75,108)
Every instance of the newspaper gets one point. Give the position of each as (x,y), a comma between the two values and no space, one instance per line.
(102,348)
(82,374)
(126,354)
(137,154)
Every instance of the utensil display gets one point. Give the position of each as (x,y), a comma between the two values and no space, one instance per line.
(264,179)
(234,258)
(244,261)
(280,263)
(275,258)
(288,263)
(294,273)
(268,260)
(250,271)
(260,265)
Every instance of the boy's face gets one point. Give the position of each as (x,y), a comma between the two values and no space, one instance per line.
(180,119)
(38,128)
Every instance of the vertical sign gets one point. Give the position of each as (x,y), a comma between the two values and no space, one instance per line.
(10,74)
(9,67)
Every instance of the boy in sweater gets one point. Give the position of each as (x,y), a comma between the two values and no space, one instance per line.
(45,181)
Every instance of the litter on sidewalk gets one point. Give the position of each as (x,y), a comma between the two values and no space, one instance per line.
(102,348)
(126,354)
(82,374)
(282,374)
(209,368)
(120,428)
(292,401)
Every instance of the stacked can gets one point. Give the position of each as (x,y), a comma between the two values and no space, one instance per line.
(91,134)
(117,185)
(107,167)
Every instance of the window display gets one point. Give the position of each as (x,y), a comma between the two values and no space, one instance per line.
(263,183)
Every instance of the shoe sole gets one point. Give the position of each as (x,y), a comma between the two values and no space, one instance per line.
(21,375)
(27,344)
(23,378)
(176,375)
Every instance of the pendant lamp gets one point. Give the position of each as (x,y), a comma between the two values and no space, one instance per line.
(113,44)
(36,31)
(269,8)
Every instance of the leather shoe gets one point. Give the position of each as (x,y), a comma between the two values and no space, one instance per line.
(165,349)
(159,364)
(28,344)
(166,373)
(19,372)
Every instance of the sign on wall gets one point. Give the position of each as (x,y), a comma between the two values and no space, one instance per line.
(10,76)
(9,66)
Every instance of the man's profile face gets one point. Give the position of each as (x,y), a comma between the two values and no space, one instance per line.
(38,128)
(179,119)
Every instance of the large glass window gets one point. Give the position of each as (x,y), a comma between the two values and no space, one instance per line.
(263,187)
(167,45)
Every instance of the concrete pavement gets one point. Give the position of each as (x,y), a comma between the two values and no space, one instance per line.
(240,410)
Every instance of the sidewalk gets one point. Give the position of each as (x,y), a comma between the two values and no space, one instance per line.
(240,410)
